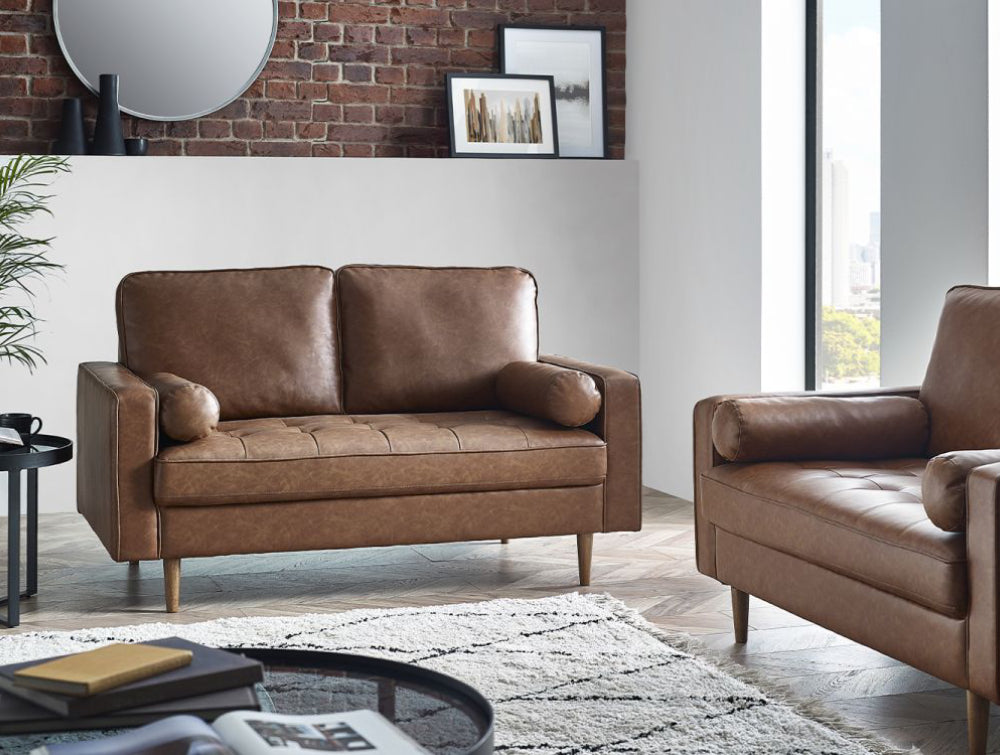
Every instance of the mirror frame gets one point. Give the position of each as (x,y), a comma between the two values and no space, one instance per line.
(93,89)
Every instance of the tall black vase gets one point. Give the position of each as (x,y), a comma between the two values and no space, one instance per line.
(71,141)
(108,137)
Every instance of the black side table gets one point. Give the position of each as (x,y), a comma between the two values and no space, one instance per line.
(44,451)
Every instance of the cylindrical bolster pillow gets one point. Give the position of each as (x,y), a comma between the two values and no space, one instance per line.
(774,428)
(944,486)
(567,397)
(188,411)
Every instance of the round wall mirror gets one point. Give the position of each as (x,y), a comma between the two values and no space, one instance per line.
(176,59)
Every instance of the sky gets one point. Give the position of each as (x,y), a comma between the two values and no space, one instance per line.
(851,69)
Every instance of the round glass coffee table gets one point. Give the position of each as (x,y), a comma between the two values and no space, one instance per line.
(444,715)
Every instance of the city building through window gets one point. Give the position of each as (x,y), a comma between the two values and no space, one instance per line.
(848,269)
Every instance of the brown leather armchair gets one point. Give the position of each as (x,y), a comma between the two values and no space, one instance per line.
(354,408)
(874,514)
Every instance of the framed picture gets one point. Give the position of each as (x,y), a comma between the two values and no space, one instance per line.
(495,115)
(574,57)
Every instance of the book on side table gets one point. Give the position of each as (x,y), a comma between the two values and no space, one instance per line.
(208,670)
(85,674)
(250,733)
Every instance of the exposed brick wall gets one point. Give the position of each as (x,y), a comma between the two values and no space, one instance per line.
(346,78)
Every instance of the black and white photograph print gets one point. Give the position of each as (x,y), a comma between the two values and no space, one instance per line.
(495,115)
(574,57)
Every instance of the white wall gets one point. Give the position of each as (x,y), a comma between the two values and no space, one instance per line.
(935,216)
(694,120)
(573,223)
(783,182)
(993,119)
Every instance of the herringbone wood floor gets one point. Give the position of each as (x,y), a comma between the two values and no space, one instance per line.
(652,571)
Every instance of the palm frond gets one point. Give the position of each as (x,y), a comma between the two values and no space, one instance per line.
(23,180)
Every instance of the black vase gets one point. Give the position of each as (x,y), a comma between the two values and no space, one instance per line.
(108,137)
(71,141)
(137,147)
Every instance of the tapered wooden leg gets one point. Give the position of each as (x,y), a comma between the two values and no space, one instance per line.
(979,722)
(172,583)
(504,541)
(584,551)
(741,614)
(133,564)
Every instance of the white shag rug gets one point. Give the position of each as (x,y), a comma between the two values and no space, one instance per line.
(567,675)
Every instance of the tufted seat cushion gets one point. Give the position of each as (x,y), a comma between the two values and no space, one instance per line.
(864,520)
(338,456)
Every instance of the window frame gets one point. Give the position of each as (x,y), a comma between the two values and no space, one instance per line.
(813,188)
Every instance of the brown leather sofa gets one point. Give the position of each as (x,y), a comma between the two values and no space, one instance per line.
(360,407)
(872,514)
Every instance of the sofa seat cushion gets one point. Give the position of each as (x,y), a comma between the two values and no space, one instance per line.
(339,456)
(863,520)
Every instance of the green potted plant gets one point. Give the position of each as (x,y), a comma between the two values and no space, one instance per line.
(23,258)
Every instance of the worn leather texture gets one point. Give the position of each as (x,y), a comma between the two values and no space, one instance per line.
(945,485)
(263,341)
(819,427)
(984,581)
(188,411)
(432,339)
(566,397)
(960,387)
(361,522)
(706,457)
(863,520)
(116,443)
(907,631)
(341,456)
(619,424)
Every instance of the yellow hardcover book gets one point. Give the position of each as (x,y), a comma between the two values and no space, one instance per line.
(94,671)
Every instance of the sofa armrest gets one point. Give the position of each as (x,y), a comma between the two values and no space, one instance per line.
(619,424)
(707,456)
(117,437)
(983,550)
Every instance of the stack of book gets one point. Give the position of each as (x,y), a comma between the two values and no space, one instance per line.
(125,685)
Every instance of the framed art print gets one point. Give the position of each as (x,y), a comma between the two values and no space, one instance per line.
(496,115)
(574,57)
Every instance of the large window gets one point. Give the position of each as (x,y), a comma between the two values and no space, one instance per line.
(845,240)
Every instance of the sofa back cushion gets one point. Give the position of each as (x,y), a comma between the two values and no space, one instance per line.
(420,339)
(263,341)
(962,387)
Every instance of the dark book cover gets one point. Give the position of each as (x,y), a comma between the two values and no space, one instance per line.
(211,670)
(18,716)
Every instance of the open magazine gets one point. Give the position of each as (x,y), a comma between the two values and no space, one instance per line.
(252,733)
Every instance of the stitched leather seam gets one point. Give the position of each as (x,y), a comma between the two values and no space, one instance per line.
(388,444)
(373,456)
(833,523)
(569,482)
(955,612)
(739,429)
(114,454)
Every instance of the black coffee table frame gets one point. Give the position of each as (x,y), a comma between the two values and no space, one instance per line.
(388,674)
(45,451)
